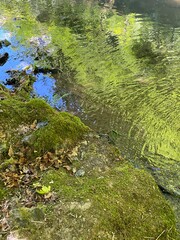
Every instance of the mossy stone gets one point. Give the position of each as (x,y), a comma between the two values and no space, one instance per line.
(112,200)
(124,203)
(62,128)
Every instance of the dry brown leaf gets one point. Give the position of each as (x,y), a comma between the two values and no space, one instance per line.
(10,152)
(4,224)
(22,160)
(67,167)
(33,125)
(74,152)
(42,167)
(48,195)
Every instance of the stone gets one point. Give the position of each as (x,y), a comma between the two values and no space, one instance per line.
(3,58)
(80,173)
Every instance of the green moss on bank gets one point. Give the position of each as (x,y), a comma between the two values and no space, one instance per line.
(112,200)
(62,128)
(123,203)
(19,121)
(3,191)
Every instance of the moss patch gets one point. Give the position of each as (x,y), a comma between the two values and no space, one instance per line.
(112,200)
(3,191)
(123,203)
(55,129)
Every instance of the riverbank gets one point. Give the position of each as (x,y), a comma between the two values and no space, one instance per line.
(62,181)
(116,71)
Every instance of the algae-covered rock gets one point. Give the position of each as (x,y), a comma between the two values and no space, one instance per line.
(166,171)
(112,200)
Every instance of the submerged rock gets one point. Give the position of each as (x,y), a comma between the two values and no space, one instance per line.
(15,236)
(45,70)
(41,41)
(4,43)
(41,124)
(166,173)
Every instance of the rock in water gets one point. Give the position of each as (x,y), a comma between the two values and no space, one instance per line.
(3,58)
(4,43)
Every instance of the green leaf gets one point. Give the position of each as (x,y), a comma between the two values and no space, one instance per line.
(44,190)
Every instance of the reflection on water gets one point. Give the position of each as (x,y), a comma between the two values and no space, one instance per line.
(44,87)
(119,71)
(161,11)
(18,60)
(21,59)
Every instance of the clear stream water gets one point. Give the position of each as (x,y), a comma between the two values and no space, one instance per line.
(119,71)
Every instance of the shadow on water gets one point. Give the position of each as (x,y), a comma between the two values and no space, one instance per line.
(161,11)
(118,70)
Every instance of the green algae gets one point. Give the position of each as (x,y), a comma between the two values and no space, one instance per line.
(3,92)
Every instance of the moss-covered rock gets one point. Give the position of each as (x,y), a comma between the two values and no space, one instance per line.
(36,124)
(95,195)
(28,129)
(123,202)
(112,200)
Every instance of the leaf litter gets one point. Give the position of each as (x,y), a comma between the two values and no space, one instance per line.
(20,171)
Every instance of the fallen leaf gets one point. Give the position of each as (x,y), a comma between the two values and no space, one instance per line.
(33,125)
(10,152)
(48,195)
(44,190)
(37,184)
(74,152)
(67,167)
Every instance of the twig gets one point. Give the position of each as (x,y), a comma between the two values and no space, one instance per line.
(113,236)
(37,222)
(160,235)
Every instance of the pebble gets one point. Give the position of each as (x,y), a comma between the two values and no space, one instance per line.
(26,139)
(41,124)
(80,173)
